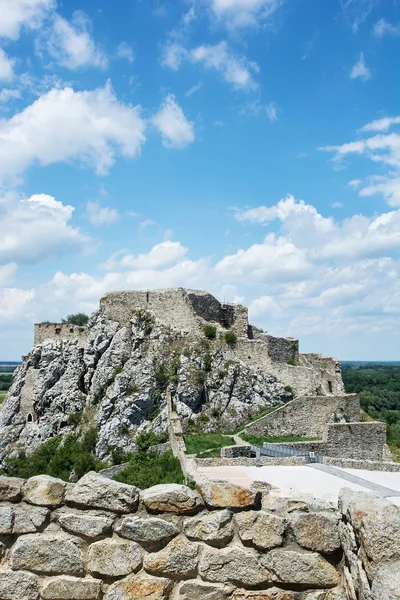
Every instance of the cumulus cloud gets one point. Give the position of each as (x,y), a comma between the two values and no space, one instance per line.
(383,27)
(71,44)
(16,14)
(6,66)
(98,215)
(360,70)
(164,255)
(124,50)
(239,14)
(170,121)
(91,127)
(36,228)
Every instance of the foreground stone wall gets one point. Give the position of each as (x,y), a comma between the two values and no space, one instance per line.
(99,539)
(307,416)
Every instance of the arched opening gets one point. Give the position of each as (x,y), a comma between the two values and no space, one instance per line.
(30,418)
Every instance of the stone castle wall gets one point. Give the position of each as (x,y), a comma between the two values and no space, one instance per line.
(307,416)
(59,331)
(99,539)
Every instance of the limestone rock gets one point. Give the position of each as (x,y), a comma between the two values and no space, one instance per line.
(140,587)
(171,497)
(214,528)
(6,520)
(95,491)
(317,531)
(355,506)
(329,595)
(47,554)
(89,525)
(190,590)
(11,489)
(18,586)
(300,568)
(260,529)
(271,594)
(45,491)
(222,494)
(71,588)
(29,519)
(149,532)
(232,565)
(178,559)
(386,584)
(114,558)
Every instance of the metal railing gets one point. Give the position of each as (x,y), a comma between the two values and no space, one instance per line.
(278,451)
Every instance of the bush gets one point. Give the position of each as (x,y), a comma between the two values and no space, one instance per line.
(208,362)
(78,319)
(74,419)
(146,469)
(210,331)
(291,361)
(288,388)
(150,438)
(230,338)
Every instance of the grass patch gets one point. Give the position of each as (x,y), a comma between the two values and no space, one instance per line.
(3,394)
(146,469)
(206,442)
(258,440)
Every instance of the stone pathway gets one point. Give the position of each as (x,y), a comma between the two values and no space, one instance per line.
(379,490)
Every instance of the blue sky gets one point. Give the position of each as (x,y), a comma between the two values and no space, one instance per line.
(246,147)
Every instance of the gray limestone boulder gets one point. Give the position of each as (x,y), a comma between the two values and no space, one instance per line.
(95,491)
(6,520)
(18,586)
(66,588)
(114,558)
(317,531)
(45,491)
(215,528)
(171,498)
(150,532)
(47,554)
(189,590)
(88,525)
(232,565)
(140,587)
(300,568)
(271,594)
(177,560)
(29,519)
(223,494)
(260,529)
(386,584)
(11,489)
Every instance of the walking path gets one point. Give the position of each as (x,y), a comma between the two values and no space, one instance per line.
(379,490)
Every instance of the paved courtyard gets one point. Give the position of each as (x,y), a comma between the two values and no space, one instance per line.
(318,480)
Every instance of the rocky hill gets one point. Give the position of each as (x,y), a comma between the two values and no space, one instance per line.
(114,373)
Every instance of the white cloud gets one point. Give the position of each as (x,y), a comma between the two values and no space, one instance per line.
(175,129)
(356,12)
(360,70)
(355,183)
(6,66)
(195,88)
(16,14)
(13,302)
(71,44)
(162,256)
(9,94)
(91,127)
(381,124)
(7,273)
(272,112)
(383,27)
(147,223)
(124,50)
(36,228)
(238,14)
(99,216)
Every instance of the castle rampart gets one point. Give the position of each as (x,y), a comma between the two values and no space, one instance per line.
(59,331)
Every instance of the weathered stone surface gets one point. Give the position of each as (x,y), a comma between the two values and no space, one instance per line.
(222,494)
(272,594)
(114,558)
(47,553)
(317,531)
(11,489)
(88,525)
(260,529)
(150,531)
(171,497)
(178,559)
(355,506)
(18,586)
(204,591)
(6,520)
(29,519)
(141,587)
(329,595)
(386,584)
(45,491)
(95,491)
(300,568)
(214,528)
(232,565)
(71,588)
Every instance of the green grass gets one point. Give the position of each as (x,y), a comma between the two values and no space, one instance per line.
(258,440)
(3,394)
(202,445)
(146,469)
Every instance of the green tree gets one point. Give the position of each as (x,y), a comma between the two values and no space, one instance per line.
(77,319)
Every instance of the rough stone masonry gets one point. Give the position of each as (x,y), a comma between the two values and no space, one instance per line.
(99,539)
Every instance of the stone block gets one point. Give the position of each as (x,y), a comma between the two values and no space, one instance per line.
(71,588)
(18,586)
(260,529)
(45,491)
(87,525)
(95,491)
(141,587)
(177,560)
(47,554)
(173,498)
(386,583)
(29,519)
(11,489)
(222,494)
(271,594)
(232,565)
(114,558)
(6,520)
(204,591)
(149,532)
(300,568)
(317,531)
(215,528)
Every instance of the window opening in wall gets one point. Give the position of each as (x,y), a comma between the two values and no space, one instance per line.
(71,330)
(30,418)
(147,296)
(330,386)
(58,330)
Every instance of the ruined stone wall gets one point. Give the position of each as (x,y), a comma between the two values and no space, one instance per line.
(102,540)
(307,416)
(281,349)
(59,331)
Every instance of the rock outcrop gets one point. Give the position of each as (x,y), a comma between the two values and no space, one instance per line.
(114,374)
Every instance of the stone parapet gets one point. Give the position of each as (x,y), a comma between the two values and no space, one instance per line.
(59,331)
